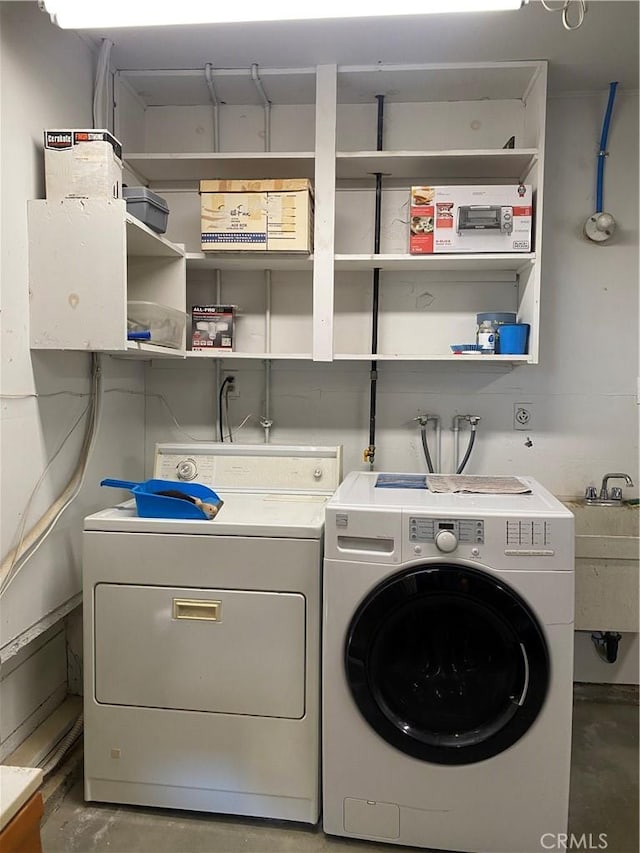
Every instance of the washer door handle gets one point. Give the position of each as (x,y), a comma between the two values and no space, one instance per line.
(526,675)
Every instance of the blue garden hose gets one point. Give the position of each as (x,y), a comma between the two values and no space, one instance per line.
(603,147)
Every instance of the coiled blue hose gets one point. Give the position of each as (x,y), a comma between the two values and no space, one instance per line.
(603,147)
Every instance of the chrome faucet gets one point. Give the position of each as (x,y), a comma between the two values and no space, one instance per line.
(606,498)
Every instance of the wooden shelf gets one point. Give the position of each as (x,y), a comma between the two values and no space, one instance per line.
(503,163)
(485,263)
(164,168)
(143,242)
(148,351)
(137,349)
(270,356)
(479,359)
(248,260)
(468,263)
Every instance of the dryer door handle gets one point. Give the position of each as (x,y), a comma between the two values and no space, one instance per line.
(200,609)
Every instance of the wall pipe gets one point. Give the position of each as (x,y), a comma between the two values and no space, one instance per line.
(218,366)
(433,462)
(473,420)
(370,452)
(208,73)
(603,148)
(456,440)
(266,104)
(265,421)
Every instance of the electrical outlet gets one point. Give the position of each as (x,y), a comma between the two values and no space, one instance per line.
(231,391)
(522,416)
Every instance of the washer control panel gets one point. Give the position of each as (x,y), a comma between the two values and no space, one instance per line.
(463,530)
(523,532)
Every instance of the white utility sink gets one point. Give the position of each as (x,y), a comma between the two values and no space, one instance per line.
(607,566)
(606,532)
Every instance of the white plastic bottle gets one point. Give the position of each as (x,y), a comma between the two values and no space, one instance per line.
(486,338)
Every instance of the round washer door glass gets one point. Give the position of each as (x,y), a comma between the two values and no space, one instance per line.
(447,663)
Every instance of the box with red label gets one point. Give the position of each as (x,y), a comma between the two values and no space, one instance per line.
(212,327)
(470,219)
(82,164)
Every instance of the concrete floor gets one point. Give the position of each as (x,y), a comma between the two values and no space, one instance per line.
(604,799)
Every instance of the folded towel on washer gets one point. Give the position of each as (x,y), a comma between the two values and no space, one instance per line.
(476,485)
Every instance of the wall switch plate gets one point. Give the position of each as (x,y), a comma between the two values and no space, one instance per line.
(522,416)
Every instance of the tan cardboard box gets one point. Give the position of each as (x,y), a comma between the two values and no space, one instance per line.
(82,164)
(262,216)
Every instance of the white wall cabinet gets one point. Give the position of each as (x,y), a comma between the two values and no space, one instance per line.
(87,258)
(442,124)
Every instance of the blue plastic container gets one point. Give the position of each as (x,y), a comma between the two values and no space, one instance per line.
(514,338)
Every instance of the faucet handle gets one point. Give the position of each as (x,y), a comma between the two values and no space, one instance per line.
(590,493)
(615,494)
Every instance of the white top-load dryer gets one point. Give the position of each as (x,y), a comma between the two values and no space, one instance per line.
(447,665)
(202,638)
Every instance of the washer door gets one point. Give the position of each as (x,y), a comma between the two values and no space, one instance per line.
(447,663)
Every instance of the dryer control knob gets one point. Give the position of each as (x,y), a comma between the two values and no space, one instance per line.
(446,541)
(187,469)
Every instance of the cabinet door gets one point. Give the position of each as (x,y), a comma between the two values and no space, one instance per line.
(216,650)
(78,274)
(87,258)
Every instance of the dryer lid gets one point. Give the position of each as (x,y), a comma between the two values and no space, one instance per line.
(299,516)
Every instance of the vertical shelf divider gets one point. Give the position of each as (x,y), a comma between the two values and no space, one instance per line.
(324,224)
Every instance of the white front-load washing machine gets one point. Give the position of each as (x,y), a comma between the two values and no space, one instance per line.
(447,665)
(202,638)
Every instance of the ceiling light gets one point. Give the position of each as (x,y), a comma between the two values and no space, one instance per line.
(80,14)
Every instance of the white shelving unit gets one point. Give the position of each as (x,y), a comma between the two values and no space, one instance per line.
(86,259)
(443,124)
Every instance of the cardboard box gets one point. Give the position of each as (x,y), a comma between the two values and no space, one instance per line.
(82,164)
(212,327)
(257,216)
(462,219)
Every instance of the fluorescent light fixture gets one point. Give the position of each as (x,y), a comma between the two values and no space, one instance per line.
(89,14)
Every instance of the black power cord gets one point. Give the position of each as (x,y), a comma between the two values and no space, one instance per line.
(228,380)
